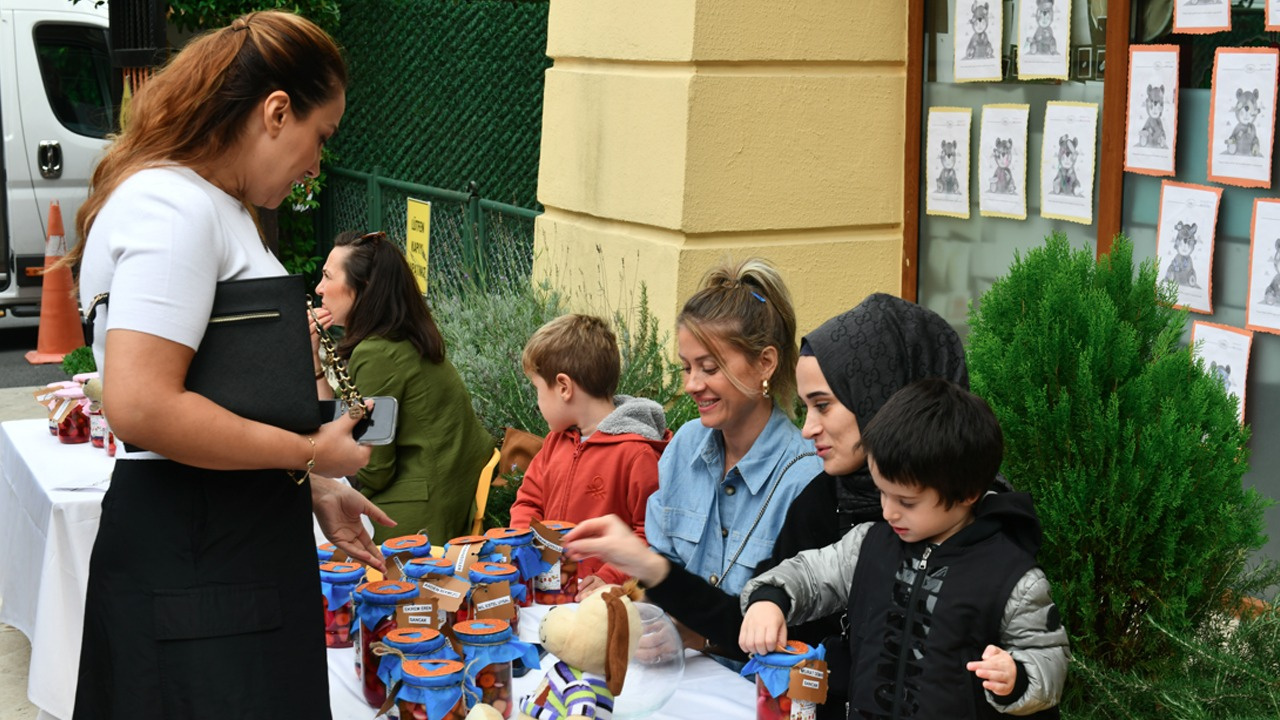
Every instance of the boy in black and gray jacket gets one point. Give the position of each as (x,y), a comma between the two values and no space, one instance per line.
(949,614)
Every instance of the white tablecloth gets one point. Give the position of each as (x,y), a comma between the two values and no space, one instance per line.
(46,537)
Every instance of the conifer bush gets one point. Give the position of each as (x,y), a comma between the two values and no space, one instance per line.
(1132,454)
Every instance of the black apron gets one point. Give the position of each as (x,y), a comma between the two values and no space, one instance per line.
(204,598)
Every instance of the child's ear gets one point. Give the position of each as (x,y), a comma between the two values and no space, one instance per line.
(565,386)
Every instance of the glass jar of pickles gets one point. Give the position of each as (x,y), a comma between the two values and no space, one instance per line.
(526,558)
(432,690)
(73,428)
(418,569)
(558,584)
(483,574)
(337,584)
(410,644)
(376,610)
(489,647)
(773,678)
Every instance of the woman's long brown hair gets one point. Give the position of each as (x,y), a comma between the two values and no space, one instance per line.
(193,111)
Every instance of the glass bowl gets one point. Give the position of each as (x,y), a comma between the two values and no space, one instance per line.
(656,669)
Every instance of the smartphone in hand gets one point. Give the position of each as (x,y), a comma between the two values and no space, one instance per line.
(377,428)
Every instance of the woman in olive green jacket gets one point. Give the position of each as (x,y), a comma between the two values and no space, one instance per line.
(425,480)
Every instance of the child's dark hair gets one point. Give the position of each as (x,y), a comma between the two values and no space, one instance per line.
(935,434)
(388,303)
(580,346)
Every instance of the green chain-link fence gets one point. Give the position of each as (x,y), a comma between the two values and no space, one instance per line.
(445,92)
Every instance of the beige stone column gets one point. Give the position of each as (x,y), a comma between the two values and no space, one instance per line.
(678,132)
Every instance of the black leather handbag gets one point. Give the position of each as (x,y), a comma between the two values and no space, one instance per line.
(255,358)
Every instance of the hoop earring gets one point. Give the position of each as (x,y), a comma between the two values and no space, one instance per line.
(765,388)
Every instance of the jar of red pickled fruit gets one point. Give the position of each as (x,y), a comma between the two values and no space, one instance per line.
(111,442)
(411,644)
(337,585)
(489,647)
(559,583)
(773,678)
(376,609)
(527,558)
(484,574)
(74,427)
(418,569)
(432,690)
(47,399)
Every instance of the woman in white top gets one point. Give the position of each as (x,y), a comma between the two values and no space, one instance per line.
(202,598)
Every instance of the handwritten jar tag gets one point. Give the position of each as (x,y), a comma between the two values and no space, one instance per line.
(449,592)
(422,611)
(550,542)
(492,601)
(809,681)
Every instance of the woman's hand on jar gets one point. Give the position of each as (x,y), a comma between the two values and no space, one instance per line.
(337,454)
(338,509)
(611,540)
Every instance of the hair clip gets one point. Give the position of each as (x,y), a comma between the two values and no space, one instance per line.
(758,296)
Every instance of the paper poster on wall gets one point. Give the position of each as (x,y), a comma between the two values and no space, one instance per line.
(1262,310)
(1201,16)
(1185,240)
(1225,351)
(1242,116)
(417,240)
(947,145)
(979,25)
(1002,161)
(1152,120)
(1067,159)
(1273,15)
(1044,37)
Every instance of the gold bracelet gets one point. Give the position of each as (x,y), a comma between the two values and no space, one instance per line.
(311,464)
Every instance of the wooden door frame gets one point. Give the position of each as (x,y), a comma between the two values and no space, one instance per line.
(1110,158)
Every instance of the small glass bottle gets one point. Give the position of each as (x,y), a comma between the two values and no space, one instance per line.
(337,584)
(411,644)
(111,442)
(559,584)
(526,558)
(97,425)
(377,613)
(489,647)
(74,428)
(488,573)
(773,674)
(432,690)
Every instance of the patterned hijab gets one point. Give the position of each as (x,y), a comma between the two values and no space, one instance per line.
(881,345)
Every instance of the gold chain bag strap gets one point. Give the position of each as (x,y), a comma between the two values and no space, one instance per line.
(336,368)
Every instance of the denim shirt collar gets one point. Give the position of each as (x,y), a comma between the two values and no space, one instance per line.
(756,467)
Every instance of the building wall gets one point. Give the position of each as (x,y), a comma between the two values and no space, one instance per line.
(680,132)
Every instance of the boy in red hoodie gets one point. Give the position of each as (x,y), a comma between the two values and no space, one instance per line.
(601,455)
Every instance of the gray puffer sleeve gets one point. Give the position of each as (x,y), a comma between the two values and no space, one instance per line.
(1032,632)
(817,580)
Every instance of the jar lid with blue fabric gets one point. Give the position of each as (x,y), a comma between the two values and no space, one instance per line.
(376,609)
(325,551)
(482,573)
(410,644)
(526,557)
(432,688)
(419,568)
(416,545)
(773,680)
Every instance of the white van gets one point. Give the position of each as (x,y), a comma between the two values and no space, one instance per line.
(59,99)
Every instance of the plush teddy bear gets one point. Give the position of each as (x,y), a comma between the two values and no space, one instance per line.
(593,643)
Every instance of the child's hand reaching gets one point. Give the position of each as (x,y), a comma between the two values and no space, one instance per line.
(997,669)
(764,628)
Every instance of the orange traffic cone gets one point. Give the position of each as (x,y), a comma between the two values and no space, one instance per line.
(60,330)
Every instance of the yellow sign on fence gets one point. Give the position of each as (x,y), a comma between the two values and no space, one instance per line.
(417,240)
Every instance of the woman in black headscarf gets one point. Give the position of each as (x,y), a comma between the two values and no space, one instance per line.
(849,366)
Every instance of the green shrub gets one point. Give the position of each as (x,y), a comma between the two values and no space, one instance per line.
(79,361)
(1132,453)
